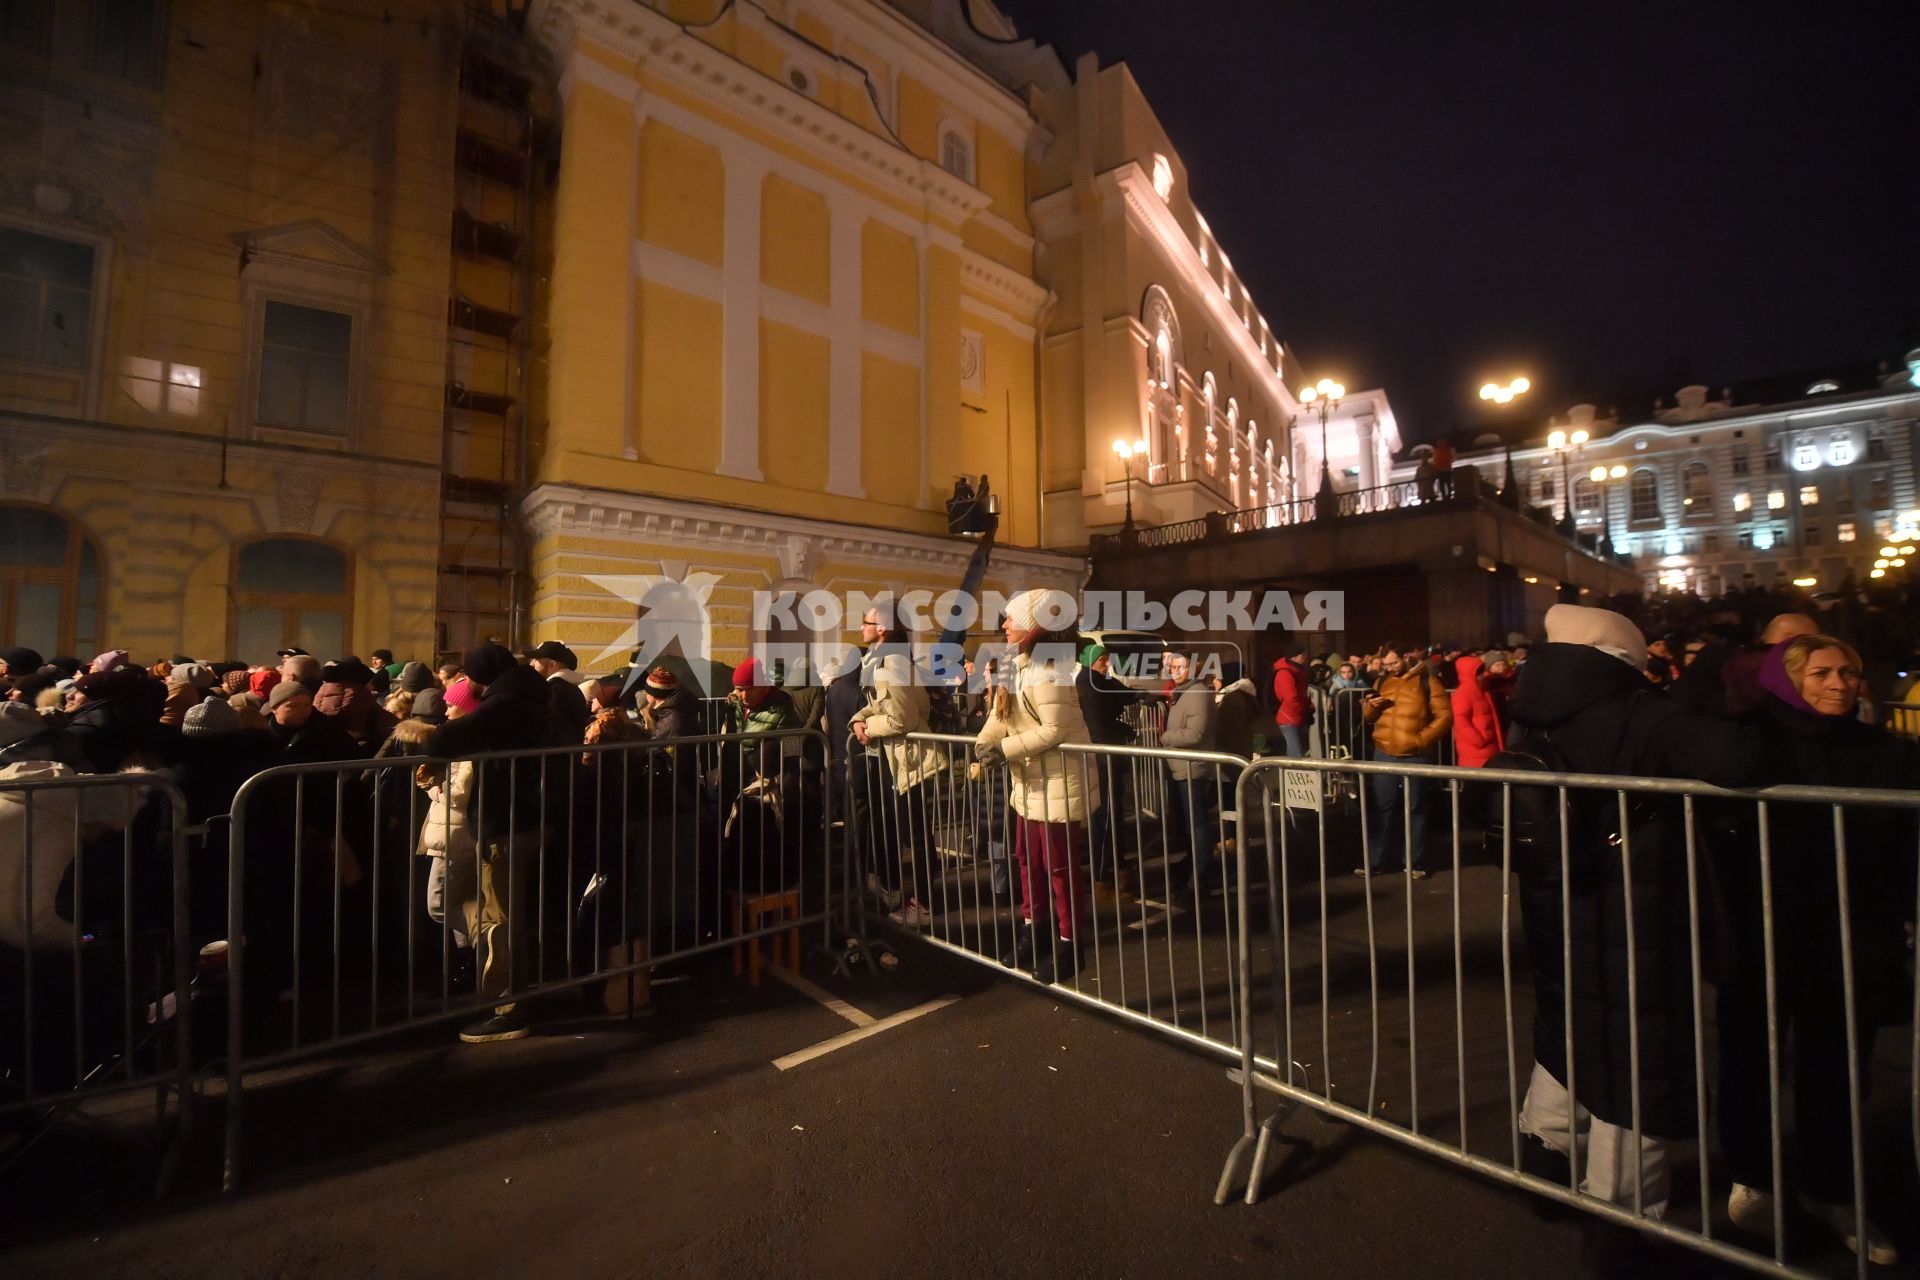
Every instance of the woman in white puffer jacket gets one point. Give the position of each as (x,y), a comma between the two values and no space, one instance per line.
(898,705)
(1035,712)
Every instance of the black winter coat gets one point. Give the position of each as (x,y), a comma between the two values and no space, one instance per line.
(1601,716)
(1804,748)
(1103,703)
(515,713)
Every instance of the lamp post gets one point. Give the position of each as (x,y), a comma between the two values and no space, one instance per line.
(1498,394)
(1324,395)
(1600,476)
(1566,448)
(1128,450)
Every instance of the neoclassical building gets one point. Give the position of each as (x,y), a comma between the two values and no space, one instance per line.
(1153,340)
(1798,481)
(410,323)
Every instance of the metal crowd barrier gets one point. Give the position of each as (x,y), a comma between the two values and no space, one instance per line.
(99,979)
(611,859)
(1783,935)
(944,858)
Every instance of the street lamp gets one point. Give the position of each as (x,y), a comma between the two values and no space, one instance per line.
(1128,450)
(1499,394)
(1600,476)
(1324,395)
(1566,447)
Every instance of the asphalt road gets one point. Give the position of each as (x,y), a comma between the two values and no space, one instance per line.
(1009,1133)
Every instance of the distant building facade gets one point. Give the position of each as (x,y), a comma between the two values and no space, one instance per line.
(1717,495)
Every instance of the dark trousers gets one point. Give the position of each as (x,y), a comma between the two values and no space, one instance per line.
(1384,850)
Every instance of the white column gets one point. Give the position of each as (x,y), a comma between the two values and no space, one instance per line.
(843,375)
(1364,428)
(740,320)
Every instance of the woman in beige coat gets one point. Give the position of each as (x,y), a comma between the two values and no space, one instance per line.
(898,705)
(1035,713)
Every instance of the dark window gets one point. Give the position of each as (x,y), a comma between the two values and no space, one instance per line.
(118,38)
(1882,498)
(1696,492)
(290,591)
(46,299)
(304,366)
(1876,447)
(1773,455)
(1740,460)
(49,582)
(1815,535)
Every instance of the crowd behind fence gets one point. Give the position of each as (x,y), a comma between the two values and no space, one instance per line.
(1205,894)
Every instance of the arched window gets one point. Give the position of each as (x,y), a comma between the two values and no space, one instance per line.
(1696,492)
(1210,400)
(287,592)
(1644,497)
(956,152)
(49,583)
(1163,382)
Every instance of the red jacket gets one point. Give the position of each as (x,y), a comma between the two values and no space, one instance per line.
(1290,691)
(1476,720)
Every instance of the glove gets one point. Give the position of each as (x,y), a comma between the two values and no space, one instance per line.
(989,754)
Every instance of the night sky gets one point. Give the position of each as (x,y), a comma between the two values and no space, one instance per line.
(1426,197)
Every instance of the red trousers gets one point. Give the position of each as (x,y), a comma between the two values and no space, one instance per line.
(1052,861)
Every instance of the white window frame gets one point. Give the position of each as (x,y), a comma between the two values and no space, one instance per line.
(89,371)
(957,129)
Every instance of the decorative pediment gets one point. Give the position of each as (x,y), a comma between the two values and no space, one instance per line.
(309,244)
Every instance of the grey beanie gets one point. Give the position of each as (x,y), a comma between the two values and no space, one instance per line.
(286,691)
(197,674)
(416,677)
(210,717)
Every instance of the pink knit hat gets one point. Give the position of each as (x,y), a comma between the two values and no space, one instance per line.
(461,697)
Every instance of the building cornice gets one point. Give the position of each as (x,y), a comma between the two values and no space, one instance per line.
(1001,285)
(556,508)
(661,47)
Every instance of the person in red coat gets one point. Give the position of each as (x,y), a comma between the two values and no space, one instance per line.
(1477,734)
(1296,708)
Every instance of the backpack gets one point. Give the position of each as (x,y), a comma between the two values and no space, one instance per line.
(1593,817)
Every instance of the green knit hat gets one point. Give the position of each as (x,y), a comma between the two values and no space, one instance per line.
(1092,654)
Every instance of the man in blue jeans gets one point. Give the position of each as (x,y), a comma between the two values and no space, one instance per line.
(1410,711)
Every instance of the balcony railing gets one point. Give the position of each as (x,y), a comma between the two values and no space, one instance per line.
(1400,495)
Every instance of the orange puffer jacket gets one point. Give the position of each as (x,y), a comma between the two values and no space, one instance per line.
(1416,715)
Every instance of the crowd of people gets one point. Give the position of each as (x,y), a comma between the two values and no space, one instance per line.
(1787,706)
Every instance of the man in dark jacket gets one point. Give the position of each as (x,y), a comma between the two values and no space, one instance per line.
(1103,705)
(1583,703)
(507,816)
(555,663)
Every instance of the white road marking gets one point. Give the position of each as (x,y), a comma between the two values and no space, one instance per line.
(858,1034)
(813,991)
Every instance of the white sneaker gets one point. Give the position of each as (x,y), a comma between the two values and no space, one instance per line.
(1751,1210)
(1839,1219)
(913,915)
(889,898)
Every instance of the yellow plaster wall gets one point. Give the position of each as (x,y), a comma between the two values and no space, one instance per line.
(793,406)
(676,361)
(889,279)
(682,181)
(793,240)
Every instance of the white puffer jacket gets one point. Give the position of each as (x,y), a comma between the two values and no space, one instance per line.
(897,706)
(446,833)
(1047,785)
(57,813)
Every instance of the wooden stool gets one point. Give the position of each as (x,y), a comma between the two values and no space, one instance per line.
(752,913)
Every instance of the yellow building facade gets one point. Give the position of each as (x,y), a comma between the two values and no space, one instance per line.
(382,324)
(224,259)
(792,298)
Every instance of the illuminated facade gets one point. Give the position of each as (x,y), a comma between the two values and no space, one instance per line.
(1714,495)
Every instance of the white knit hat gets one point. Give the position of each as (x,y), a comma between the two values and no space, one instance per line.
(1042,607)
(1603,629)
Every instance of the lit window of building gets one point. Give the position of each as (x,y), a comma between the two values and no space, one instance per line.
(1809,495)
(1743,502)
(1846,532)
(1776,500)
